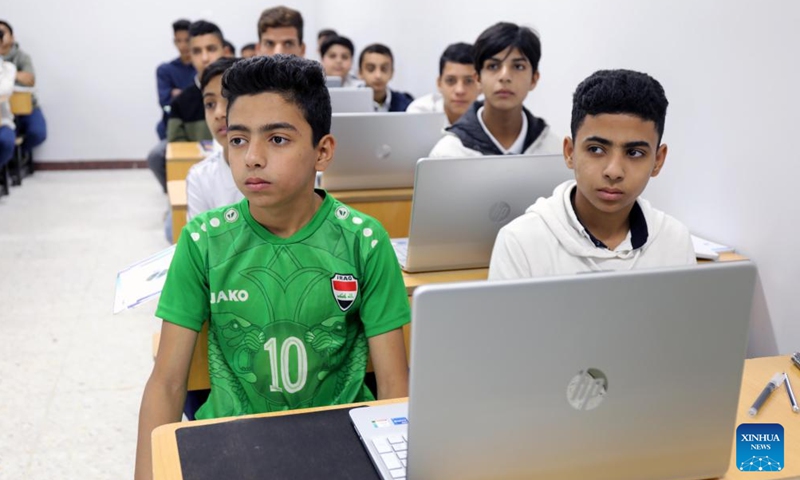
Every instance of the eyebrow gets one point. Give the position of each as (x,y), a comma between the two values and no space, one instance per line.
(269,127)
(501,60)
(209,94)
(606,142)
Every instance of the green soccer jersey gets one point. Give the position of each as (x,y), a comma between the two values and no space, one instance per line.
(289,318)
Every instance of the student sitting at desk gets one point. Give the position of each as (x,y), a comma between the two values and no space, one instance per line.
(174,76)
(8,73)
(337,59)
(209,183)
(33,126)
(298,288)
(597,221)
(507,62)
(457,83)
(228,49)
(376,68)
(280,30)
(248,50)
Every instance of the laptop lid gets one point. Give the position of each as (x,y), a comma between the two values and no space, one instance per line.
(460,204)
(346,100)
(380,150)
(625,375)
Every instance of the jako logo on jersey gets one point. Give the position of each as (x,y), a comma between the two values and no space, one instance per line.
(231,215)
(342,213)
(345,290)
(229,296)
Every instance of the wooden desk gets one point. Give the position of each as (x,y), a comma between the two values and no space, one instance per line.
(21,103)
(180,158)
(391,207)
(176,190)
(757,371)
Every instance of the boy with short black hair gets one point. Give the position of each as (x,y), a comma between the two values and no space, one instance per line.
(457,83)
(209,183)
(280,30)
(187,121)
(337,59)
(507,61)
(249,50)
(597,221)
(324,34)
(298,288)
(228,49)
(173,77)
(32,126)
(376,68)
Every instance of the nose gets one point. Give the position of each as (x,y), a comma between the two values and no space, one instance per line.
(460,88)
(253,157)
(615,168)
(505,73)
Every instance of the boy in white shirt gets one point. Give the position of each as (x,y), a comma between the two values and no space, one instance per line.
(507,61)
(337,59)
(209,184)
(457,84)
(597,221)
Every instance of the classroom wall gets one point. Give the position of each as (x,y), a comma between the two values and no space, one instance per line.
(728,68)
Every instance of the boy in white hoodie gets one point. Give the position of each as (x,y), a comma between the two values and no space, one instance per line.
(597,221)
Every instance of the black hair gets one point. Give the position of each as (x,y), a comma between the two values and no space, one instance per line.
(295,79)
(461,52)
(249,46)
(201,27)
(343,41)
(620,91)
(216,68)
(2,34)
(502,35)
(180,25)
(375,48)
(8,26)
(226,43)
(327,32)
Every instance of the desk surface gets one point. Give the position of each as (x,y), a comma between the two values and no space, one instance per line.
(176,190)
(757,371)
(184,151)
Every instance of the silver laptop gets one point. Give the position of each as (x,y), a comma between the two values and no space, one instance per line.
(348,100)
(627,375)
(333,82)
(379,150)
(460,204)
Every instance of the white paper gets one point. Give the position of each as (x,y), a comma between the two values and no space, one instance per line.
(142,281)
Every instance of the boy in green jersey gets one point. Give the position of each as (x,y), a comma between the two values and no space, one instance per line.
(299,289)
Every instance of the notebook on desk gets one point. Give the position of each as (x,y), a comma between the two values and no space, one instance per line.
(379,150)
(460,204)
(519,379)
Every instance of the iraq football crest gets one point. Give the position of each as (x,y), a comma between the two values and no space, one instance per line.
(345,290)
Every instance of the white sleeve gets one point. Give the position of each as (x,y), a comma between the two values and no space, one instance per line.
(195,203)
(8,73)
(508,259)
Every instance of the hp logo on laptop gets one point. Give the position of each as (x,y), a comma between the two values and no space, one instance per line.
(587,389)
(383,151)
(499,212)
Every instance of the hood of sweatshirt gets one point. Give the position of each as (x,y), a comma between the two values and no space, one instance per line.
(560,218)
(468,129)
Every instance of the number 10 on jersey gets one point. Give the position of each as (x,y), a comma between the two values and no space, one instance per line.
(282,363)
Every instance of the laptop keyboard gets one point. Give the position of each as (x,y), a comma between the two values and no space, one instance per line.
(400,246)
(393,451)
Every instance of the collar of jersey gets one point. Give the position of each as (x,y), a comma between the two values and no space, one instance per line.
(308,229)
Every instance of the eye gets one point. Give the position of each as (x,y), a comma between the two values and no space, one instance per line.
(636,153)
(277,140)
(237,141)
(469,81)
(492,66)
(210,105)
(595,149)
(520,66)
(450,81)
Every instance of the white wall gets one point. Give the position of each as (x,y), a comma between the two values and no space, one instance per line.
(730,70)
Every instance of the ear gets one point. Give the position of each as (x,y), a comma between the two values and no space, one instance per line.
(303,50)
(661,157)
(439,83)
(569,149)
(325,149)
(534,80)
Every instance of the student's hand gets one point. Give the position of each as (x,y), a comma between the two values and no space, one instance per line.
(175,92)
(388,354)
(26,78)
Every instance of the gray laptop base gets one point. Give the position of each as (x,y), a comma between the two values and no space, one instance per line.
(628,375)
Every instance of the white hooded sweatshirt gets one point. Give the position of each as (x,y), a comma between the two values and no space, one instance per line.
(550,240)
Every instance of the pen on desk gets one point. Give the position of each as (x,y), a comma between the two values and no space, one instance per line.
(772,385)
(789,390)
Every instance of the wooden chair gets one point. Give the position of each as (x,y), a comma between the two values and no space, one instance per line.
(22,162)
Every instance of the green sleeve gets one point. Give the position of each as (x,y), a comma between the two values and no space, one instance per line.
(185,298)
(384,301)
